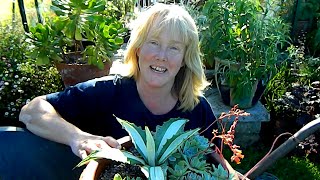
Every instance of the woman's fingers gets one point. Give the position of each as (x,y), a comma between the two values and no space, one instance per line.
(85,147)
(112,142)
(83,154)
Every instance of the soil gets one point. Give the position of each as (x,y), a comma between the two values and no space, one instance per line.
(124,169)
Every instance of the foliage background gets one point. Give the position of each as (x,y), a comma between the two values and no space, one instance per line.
(20,79)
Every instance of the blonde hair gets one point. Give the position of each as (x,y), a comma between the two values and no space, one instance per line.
(190,80)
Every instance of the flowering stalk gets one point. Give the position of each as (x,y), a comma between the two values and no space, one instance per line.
(228,137)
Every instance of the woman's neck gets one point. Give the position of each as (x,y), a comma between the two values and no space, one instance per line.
(158,100)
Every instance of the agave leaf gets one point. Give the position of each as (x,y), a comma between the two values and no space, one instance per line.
(173,145)
(167,131)
(112,154)
(151,149)
(87,159)
(156,173)
(134,159)
(136,135)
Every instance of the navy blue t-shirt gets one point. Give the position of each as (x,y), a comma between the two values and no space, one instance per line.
(91,105)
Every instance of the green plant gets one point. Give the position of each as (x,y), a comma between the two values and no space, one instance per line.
(155,148)
(246,35)
(124,9)
(310,11)
(20,79)
(183,153)
(190,162)
(87,29)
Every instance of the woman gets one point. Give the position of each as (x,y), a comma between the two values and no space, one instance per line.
(165,79)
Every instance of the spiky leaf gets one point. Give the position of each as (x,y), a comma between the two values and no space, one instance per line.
(173,145)
(137,135)
(151,149)
(167,131)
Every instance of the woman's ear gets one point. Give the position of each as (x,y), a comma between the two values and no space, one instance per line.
(138,52)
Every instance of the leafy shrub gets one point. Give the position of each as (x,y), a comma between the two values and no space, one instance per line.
(20,79)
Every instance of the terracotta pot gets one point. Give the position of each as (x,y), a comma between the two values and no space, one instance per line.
(96,167)
(75,73)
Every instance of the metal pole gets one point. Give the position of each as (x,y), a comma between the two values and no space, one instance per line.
(23,16)
(13,13)
(36,4)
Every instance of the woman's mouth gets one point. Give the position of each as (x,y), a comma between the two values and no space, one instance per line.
(158,69)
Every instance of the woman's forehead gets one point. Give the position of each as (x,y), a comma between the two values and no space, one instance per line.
(172,33)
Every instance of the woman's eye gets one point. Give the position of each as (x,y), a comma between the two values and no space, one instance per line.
(174,48)
(154,42)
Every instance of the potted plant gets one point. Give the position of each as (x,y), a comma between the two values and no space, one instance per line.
(170,152)
(82,33)
(243,39)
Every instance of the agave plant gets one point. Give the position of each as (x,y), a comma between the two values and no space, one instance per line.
(154,148)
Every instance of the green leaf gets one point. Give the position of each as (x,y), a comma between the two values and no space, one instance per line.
(112,154)
(134,159)
(100,64)
(175,144)
(42,59)
(151,149)
(78,35)
(221,173)
(118,40)
(117,177)
(167,131)
(156,173)
(136,136)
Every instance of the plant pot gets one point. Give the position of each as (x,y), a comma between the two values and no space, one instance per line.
(75,73)
(230,91)
(96,167)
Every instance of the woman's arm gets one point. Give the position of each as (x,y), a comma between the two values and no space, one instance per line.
(42,119)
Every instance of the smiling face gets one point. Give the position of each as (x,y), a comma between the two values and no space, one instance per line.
(160,58)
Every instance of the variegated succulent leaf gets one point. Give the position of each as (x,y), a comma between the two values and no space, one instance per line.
(137,135)
(170,128)
(151,149)
(173,144)
(112,154)
(156,173)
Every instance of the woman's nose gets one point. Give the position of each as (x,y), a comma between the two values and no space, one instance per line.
(162,54)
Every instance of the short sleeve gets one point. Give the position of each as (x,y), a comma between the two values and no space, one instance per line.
(85,101)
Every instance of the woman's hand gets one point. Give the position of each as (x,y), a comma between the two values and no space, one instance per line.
(83,146)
